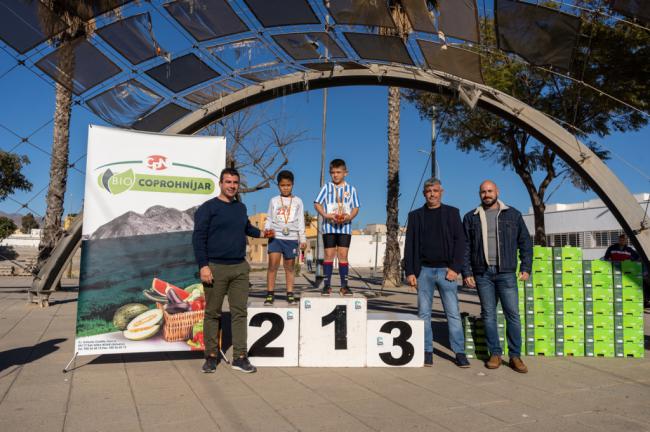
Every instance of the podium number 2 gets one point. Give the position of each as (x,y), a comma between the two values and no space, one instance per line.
(338,316)
(405,332)
(260,348)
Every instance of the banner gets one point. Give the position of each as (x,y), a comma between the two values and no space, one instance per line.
(138,288)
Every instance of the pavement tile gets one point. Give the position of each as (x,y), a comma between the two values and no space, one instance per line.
(466,419)
(323,417)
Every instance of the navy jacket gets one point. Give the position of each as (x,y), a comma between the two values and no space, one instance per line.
(220,231)
(453,240)
(512,236)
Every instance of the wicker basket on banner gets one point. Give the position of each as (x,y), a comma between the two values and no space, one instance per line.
(178,327)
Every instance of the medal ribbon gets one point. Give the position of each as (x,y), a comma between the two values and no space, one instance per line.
(287,210)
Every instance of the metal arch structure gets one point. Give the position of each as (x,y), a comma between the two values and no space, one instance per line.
(602,180)
(608,187)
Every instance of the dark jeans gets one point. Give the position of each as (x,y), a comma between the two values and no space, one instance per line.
(494,287)
(231,280)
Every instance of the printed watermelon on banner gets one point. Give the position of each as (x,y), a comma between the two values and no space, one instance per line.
(161,287)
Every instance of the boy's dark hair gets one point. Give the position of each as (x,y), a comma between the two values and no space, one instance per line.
(285,175)
(337,163)
(229,171)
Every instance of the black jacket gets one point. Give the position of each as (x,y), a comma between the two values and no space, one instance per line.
(512,236)
(453,239)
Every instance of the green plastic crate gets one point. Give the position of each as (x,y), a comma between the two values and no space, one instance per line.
(597,267)
(604,334)
(603,308)
(603,281)
(545,348)
(544,333)
(542,267)
(544,307)
(604,348)
(602,295)
(632,281)
(543,280)
(544,294)
(604,321)
(572,281)
(574,348)
(574,333)
(632,308)
(633,350)
(573,308)
(574,294)
(631,268)
(542,253)
(632,333)
(633,321)
(568,253)
(571,267)
(544,321)
(633,294)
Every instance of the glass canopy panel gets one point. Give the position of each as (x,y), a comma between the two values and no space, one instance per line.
(125,103)
(206,20)
(459,19)
(274,13)
(25,24)
(131,37)
(268,74)
(420,14)
(540,35)
(639,9)
(245,54)
(89,67)
(309,46)
(361,12)
(182,73)
(454,61)
(213,92)
(160,119)
(90,9)
(378,47)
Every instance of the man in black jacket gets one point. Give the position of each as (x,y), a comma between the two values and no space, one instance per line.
(433,257)
(495,232)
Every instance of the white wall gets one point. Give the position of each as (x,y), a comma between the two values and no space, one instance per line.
(362,250)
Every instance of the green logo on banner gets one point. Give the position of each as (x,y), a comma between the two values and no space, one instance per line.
(116,183)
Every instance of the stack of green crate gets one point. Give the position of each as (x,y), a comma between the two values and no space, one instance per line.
(569,300)
(475,341)
(540,309)
(501,329)
(522,288)
(628,309)
(599,324)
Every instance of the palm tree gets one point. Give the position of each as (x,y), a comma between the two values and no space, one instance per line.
(70,12)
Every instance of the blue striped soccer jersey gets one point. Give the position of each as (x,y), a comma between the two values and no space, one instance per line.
(337,199)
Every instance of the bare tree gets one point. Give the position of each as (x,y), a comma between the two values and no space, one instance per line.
(257,146)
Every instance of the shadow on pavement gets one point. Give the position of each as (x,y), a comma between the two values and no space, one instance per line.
(23,355)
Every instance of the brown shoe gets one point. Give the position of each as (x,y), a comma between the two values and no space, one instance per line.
(494,362)
(518,365)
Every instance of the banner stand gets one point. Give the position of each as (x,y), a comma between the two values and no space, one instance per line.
(66,369)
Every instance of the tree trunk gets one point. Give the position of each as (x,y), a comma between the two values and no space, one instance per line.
(392,268)
(52,229)
(540,229)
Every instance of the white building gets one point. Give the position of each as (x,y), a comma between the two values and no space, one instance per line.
(23,240)
(588,224)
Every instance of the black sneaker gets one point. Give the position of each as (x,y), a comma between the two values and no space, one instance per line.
(428,359)
(210,365)
(327,290)
(268,301)
(345,291)
(291,299)
(461,361)
(242,364)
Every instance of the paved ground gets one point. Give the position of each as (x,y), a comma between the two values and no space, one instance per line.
(161,392)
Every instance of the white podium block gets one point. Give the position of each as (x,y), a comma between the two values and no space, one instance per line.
(273,334)
(395,340)
(333,330)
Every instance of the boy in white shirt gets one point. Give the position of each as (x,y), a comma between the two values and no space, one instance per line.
(286,219)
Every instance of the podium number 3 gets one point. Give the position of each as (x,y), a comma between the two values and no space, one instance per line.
(260,348)
(338,316)
(405,332)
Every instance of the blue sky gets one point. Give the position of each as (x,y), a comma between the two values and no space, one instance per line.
(357,119)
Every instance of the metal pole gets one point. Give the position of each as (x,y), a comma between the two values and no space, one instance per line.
(433,142)
(320,253)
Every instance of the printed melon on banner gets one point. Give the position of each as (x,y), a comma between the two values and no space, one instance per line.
(138,288)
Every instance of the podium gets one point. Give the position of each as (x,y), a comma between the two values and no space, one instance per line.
(332,330)
(273,334)
(394,340)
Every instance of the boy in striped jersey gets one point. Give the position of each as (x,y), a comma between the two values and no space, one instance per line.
(338,204)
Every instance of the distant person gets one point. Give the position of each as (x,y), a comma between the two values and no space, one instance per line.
(495,233)
(338,204)
(309,259)
(219,239)
(433,257)
(620,251)
(286,219)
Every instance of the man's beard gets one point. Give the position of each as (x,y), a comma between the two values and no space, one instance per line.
(489,201)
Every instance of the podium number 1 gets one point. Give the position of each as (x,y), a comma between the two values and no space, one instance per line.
(338,316)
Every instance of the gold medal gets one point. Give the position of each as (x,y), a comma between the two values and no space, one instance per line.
(285,231)
(286,213)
